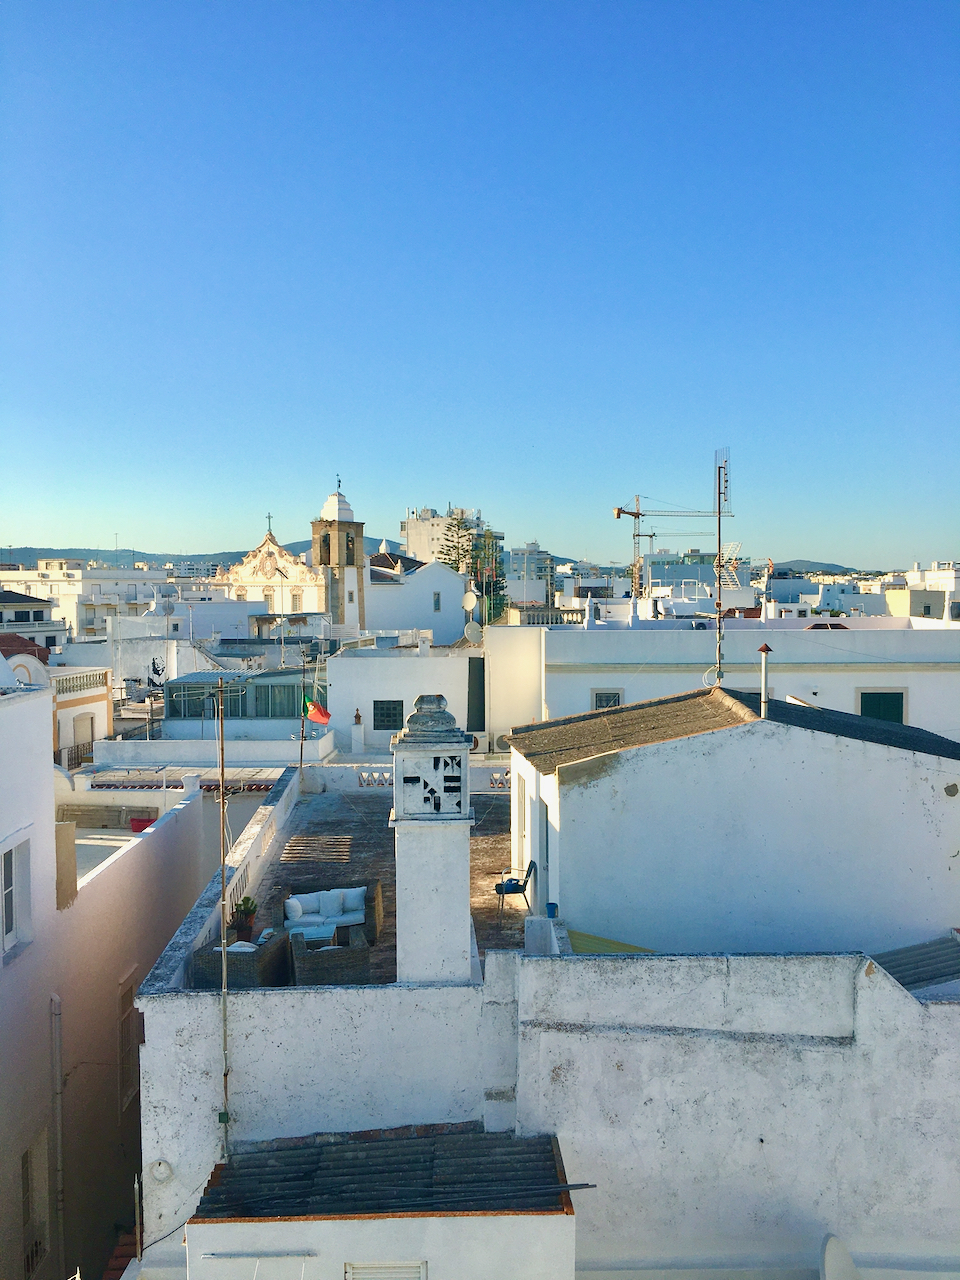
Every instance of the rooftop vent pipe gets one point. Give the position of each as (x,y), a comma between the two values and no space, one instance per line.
(764,698)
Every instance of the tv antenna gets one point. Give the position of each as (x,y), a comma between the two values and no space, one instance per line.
(637,514)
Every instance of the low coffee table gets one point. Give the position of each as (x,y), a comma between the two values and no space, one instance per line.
(324,933)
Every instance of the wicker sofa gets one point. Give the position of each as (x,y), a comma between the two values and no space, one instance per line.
(268,966)
(372,906)
(321,966)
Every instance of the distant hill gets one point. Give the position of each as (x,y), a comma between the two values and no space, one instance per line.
(813,566)
(125,557)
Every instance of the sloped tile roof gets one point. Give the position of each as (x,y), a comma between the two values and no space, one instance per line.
(557,742)
(455,1173)
(925,965)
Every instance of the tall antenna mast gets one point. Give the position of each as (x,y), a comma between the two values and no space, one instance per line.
(722,468)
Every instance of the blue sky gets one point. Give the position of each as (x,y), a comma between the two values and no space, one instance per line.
(531,257)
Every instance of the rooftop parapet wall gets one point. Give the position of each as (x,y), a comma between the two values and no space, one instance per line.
(732,1110)
(246,862)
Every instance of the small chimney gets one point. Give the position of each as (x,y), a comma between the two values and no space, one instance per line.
(764,697)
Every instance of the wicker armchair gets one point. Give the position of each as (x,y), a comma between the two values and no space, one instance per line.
(331,966)
(268,966)
(372,905)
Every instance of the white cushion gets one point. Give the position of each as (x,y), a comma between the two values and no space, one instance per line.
(353,899)
(330,904)
(293,908)
(351,917)
(304,922)
(238,946)
(311,904)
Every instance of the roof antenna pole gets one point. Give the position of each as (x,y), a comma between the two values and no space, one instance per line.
(225,1113)
(721,458)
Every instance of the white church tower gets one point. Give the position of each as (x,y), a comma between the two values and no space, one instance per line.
(432,820)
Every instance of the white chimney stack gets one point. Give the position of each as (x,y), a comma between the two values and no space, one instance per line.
(764,696)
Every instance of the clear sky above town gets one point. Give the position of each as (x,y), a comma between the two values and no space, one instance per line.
(529,256)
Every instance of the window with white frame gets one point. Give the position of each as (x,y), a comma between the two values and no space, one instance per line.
(15,895)
(349,597)
(604,698)
(296,601)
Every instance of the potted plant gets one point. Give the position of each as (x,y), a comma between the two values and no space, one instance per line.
(242,919)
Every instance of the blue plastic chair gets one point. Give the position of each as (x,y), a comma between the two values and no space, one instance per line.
(511,885)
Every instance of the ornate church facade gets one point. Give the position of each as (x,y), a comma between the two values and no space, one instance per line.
(289,587)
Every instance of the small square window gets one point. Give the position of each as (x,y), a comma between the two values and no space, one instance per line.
(603,698)
(388,716)
(436,602)
(175,627)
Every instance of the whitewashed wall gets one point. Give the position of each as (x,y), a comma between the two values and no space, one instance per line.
(265,752)
(459,1247)
(123,915)
(734,1111)
(303,1060)
(358,677)
(409,603)
(762,837)
(827,668)
(514,672)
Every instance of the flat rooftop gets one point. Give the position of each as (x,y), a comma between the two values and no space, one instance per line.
(342,838)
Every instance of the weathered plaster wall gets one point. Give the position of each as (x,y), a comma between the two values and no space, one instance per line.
(760,838)
(303,1060)
(733,1111)
(505,1246)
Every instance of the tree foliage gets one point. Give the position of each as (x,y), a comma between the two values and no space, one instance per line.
(456,550)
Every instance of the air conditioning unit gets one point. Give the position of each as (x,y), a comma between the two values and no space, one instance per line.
(502,743)
(481,744)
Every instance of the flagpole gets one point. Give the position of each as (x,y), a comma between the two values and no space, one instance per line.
(303,705)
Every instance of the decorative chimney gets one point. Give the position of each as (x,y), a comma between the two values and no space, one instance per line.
(431,819)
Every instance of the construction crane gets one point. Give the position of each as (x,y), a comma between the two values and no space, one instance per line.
(637,568)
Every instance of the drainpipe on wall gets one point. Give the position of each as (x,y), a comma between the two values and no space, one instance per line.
(57,1064)
(764,698)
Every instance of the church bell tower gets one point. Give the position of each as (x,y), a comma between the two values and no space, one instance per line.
(338,559)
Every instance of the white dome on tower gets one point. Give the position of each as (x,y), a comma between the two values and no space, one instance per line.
(336,507)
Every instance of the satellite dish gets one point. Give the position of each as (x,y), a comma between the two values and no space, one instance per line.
(473,632)
(835,1261)
(469,601)
(167,607)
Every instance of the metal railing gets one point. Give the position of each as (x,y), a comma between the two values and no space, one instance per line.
(73,757)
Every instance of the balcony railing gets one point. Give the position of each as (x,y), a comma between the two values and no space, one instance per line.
(73,757)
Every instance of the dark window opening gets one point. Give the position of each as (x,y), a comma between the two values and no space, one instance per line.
(607,699)
(476,696)
(388,715)
(882,706)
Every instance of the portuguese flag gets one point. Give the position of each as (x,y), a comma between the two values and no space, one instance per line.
(315,711)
